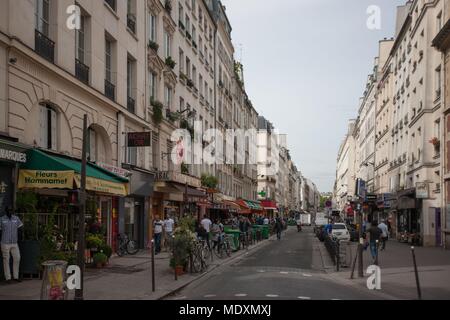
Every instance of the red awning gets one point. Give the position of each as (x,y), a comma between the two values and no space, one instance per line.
(269,205)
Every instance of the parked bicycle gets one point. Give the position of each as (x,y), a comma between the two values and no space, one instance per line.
(126,246)
(200,256)
(243,240)
(223,247)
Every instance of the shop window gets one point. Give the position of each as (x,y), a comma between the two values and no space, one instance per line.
(48,128)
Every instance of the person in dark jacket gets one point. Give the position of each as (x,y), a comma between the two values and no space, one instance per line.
(374,238)
(278,227)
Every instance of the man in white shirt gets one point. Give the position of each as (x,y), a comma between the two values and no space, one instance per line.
(384,235)
(168,231)
(158,231)
(266,221)
(206,223)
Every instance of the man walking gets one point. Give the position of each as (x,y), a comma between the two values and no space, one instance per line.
(9,226)
(207,224)
(385,234)
(375,235)
(168,231)
(278,227)
(157,232)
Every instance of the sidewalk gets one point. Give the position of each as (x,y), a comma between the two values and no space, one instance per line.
(397,271)
(126,278)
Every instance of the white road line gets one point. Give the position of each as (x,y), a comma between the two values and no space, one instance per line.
(181,298)
(284,272)
(307,275)
(336,299)
(272,295)
(260,271)
(304,298)
(210,296)
(240,295)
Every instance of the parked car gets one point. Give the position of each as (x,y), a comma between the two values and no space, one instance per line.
(340,232)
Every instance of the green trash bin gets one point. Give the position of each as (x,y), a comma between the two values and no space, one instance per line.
(265,231)
(234,234)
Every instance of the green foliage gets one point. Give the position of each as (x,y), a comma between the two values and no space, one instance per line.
(184,124)
(100,258)
(107,250)
(187,223)
(153,45)
(184,168)
(209,181)
(183,244)
(94,241)
(157,111)
(170,63)
(173,116)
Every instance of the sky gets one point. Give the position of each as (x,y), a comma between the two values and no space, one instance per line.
(306,65)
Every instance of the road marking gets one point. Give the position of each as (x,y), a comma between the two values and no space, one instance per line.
(240,295)
(307,275)
(284,272)
(304,298)
(210,296)
(336,299)
(260,271)
(272,295)
(181,298)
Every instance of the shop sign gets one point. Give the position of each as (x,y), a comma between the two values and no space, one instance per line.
(178,178)
(422,190)
(103,186)
(14,156)
(361,188)
(139,139)
(116,170)
(36,179)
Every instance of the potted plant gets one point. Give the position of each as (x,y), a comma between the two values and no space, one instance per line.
(184,168)
(183,242)
(107,250)
(190,83)
(170,63)
(157,111)
(436,143)
(153,45)
(100,260)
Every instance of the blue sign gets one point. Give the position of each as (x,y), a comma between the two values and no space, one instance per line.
(361,189)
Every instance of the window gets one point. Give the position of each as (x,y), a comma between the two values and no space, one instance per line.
(167,44)
(188,24)
(131,103)
(132,156)
(92,145)
(168,97)
(81,68)
(180,13)
(131,15)
(48,127)
(112,4)
(42,16)
(200,82)
(152,85)
(438,82)
(181,104)
(152,27)
(439,22)
(110,88)
(188,68)
(181,59)
(155,150)
(194,75)
(194,34)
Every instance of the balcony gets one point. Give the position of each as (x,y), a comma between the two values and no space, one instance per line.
(110,90)
(131,22)
(44,46)
(81,71)
(131,105)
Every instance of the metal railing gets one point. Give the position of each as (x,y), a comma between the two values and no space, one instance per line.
(131,22)
(81,71)
(44,46)
(110,90)
(112,4)
(131,105)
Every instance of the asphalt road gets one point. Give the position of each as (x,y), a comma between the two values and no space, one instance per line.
(290,269)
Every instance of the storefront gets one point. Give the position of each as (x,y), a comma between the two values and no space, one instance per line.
(177,195)
(12,155)
(406,216)
(270,208)
(54,175)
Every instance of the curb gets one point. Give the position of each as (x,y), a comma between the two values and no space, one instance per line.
(216,266)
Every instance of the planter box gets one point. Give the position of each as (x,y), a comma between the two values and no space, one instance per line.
(29,260)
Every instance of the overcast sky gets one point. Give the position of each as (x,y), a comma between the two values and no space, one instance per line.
(306,63)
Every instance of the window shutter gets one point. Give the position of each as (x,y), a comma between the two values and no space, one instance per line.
(43,128)
(53,124)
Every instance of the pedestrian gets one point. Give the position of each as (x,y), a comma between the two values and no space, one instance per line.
(374,238)
(9,227)
(385,235)
(278,227)
(266,221)
(207,224)
(169,224)
(158,225)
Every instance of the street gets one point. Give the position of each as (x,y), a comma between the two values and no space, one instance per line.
(290,269)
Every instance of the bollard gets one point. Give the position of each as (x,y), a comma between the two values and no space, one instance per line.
(416,272)
(175,265)
(338,255)
(376,256)
(153,265)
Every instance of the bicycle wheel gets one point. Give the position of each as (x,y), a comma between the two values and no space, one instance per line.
(120,252)
(196,262)
(227,248)
(132,247)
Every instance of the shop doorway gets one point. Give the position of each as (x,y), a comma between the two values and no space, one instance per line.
(106,216)
(134,220)
(438,228)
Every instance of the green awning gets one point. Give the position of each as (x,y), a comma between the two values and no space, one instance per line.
(98,179)
(253,205)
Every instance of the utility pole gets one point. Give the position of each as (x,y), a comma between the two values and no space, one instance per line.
(81,232)
(360,245)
